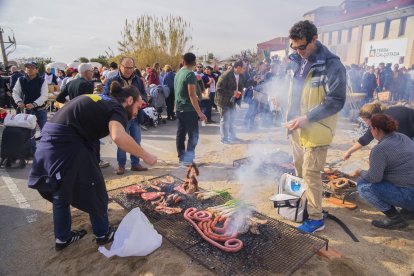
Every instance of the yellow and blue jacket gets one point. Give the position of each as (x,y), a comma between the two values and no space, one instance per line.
(320,96)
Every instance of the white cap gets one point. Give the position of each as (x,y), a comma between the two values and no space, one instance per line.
(83,67)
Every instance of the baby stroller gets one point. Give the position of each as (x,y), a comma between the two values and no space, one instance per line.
(158,94)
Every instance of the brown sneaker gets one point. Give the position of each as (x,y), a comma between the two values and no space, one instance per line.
(139,168)
(121,170)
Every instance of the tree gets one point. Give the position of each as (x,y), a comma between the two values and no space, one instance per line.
(101,59)
(150,39)
(83,60)
(210,56)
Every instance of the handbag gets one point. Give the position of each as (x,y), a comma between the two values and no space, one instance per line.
(205,95)
(21,120)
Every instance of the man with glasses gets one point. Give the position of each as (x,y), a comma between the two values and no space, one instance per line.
(317,93)
(30,93)
(126,77)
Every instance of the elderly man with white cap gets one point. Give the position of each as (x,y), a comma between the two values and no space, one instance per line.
(79,86)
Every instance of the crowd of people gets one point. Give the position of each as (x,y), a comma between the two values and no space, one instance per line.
(386,77)
(95,104)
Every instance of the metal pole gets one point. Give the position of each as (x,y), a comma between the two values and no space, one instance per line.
(3,50)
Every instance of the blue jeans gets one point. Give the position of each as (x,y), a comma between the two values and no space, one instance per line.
(134,131)
(227,121)
(212,96)
(251,114)
(62,220)
(41,116)
(187,124)
(206,108)
(384,195)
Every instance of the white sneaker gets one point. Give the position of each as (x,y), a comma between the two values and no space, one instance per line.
(103,164)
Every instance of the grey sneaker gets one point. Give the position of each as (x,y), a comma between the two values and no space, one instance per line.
(103,164)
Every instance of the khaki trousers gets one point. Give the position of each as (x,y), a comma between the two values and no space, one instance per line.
(309,162)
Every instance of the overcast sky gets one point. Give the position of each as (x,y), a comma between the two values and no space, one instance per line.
(67,30)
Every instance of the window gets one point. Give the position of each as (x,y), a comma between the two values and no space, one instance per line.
(349,34)
(339,37)
(403,22)
(372,33)
(330,38)
(387,28)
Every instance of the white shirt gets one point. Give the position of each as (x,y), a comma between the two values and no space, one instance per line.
(18,93)
(237,80)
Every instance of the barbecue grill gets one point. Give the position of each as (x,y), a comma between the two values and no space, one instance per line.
(275,163)
(279,249)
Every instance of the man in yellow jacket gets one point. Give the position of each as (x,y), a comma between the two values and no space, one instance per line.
(317,93)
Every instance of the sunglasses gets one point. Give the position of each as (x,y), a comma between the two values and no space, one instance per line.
(301,47)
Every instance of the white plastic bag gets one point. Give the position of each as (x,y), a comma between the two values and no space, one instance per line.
(21,120)
(135,236)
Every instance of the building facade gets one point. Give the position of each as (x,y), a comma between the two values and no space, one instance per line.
(368,31)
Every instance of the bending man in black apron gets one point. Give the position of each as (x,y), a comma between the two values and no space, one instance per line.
(65,170)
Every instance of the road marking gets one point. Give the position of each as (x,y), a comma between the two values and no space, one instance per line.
(31,215)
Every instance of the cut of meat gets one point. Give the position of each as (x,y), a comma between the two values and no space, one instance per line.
(168,210)
(151,195)
(134,190)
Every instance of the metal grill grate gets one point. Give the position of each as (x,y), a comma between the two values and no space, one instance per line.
(279,249)
(273,163)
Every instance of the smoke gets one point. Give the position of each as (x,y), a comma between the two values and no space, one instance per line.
(255,176)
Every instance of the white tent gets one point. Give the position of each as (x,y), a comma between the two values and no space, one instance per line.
(74,64)
(95,64)
(57,65)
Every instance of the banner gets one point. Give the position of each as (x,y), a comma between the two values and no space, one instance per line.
(387,51)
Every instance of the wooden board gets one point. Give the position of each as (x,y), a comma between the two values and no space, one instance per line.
(339,202)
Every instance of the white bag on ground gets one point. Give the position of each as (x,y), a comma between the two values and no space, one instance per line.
(135,236)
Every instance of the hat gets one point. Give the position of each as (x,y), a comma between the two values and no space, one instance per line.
(83,67)
(31,63)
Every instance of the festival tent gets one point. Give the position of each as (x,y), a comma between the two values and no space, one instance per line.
(74,64)
(95,64)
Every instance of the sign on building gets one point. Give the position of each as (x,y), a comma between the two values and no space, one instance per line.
(387,51)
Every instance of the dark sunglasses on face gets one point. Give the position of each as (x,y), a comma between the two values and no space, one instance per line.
(301,47)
